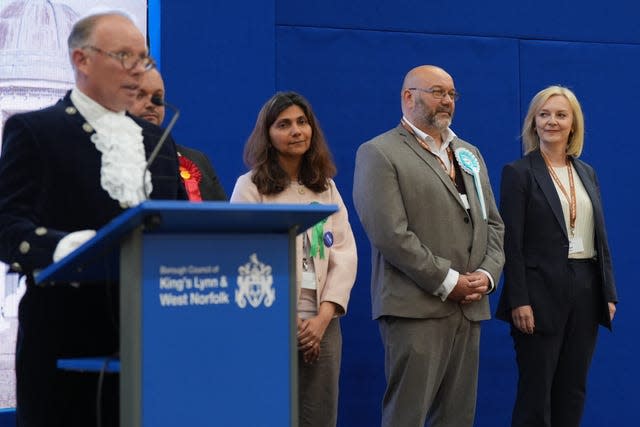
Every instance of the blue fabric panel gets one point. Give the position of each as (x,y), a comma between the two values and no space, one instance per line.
(222,60)
(218,64)
(605,80)
(353,80)
(154,35)
(613,20)
(7,417)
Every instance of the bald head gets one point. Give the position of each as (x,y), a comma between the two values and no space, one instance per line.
(427,98)
(151,85)
(418,74)
(423,77)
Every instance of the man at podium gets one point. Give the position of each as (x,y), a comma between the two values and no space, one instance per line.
(66,171)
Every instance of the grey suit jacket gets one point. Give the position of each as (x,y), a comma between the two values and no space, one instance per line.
(419,228)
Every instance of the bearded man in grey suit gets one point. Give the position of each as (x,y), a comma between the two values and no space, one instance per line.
(437,251)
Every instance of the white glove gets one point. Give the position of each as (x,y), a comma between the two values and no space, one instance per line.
(71,242)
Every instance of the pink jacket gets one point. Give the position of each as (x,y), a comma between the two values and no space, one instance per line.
(336,273)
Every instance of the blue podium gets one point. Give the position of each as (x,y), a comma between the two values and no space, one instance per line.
(207,309)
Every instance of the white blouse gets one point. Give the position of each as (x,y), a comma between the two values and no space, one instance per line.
(585,228)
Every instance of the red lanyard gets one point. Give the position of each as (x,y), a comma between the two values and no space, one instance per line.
(451,170)
(571,199)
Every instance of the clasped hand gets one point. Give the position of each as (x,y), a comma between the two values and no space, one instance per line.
(310,333)
(470,287)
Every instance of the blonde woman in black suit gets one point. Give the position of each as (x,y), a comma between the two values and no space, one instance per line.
(559,282)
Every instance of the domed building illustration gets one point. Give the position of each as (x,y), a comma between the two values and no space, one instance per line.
(34,63)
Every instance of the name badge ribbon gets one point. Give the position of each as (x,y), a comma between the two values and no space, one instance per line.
(469,163)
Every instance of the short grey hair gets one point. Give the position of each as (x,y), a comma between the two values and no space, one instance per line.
(83,29)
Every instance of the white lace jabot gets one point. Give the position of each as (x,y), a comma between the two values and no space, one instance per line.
(120,141)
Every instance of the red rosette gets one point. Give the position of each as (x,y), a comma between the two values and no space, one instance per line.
(191,176)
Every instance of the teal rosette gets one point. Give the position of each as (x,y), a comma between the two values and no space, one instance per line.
(469,163)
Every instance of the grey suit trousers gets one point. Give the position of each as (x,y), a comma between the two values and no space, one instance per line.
(431,367)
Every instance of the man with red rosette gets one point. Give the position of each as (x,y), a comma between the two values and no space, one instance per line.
(197,173)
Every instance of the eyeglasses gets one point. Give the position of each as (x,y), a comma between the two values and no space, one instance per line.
(128,60)
(438,93)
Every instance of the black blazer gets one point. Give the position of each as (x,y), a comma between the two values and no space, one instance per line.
(50,186)
(50,180)
(210,187)
(536,242)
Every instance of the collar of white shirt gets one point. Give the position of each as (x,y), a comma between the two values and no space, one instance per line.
(447,136)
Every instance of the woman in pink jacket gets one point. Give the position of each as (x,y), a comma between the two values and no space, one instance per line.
(291,163)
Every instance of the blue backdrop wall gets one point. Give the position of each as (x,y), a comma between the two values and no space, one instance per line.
(222,60)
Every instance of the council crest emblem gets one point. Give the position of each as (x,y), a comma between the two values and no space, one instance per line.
(254,284)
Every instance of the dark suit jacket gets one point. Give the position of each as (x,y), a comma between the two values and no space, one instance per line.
(210,186)
(50,186)
(50,177)
(536,243)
